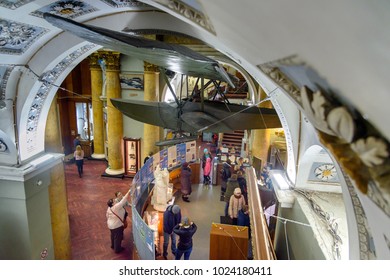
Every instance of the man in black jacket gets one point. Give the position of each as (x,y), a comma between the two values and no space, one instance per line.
(225,175)
(185,230)
(172,217)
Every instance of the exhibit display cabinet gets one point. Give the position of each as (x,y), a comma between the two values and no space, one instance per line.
(132,156)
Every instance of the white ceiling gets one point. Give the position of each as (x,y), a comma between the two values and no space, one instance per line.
(347,41)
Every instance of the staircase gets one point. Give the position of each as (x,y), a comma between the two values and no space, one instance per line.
(233,139)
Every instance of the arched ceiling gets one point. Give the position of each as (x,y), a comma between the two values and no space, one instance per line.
(338,51)
(346,42)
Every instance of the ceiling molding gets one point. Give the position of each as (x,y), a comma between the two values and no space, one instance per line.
(356,144)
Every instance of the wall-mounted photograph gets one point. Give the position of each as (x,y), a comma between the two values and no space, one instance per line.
(133,81)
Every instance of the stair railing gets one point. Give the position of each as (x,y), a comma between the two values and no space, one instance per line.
(261,241)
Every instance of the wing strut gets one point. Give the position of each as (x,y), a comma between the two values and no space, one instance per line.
(202,94)
(169,85)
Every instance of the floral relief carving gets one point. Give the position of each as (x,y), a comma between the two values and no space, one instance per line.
(281,79)
(13,4)
(189,12)
(124,3)
(315,109)
(341,122)
(16,38)
(362,152)
(70,8)
(372,151)
(360,149)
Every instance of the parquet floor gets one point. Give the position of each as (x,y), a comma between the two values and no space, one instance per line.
(87,205)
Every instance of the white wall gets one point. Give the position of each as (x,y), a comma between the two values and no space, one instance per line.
(132,128)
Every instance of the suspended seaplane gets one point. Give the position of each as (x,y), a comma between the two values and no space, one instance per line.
(183,115)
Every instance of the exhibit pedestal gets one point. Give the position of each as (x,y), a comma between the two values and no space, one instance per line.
(228,242)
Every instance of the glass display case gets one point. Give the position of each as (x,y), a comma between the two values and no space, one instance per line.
(132,156)
(84,125)
(84,120)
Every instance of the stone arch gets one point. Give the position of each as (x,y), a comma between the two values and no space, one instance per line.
(33,115)
(28,105)
(359,231)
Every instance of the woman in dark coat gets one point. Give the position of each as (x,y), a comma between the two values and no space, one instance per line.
(185,180)
(242,183)
(185,230)
(225,175)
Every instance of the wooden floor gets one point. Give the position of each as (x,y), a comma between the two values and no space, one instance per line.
(87,206)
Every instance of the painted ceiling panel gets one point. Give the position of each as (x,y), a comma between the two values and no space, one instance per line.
(16,37)
(13,4)
(70,9)
(124,3)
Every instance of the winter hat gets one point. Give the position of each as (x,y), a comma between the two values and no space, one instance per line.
(175,209)
(185,222)
(237,191)
(205,151)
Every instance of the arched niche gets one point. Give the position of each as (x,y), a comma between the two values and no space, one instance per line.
(317,172)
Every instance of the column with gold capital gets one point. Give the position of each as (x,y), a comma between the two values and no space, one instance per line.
(97,106)
(114,116)
(57,189)
(151,93)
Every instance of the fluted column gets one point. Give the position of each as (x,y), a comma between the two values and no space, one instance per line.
(57,190)
(114,116)
(151,93)
(97,106)
(261,137)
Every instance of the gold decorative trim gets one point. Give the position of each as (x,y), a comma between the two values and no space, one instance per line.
(188,12)
(271,69)
(112,60)
(362,151)
(94,61)
(148,67)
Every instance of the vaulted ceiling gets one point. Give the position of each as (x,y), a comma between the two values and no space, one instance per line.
(347,42)
(337,49)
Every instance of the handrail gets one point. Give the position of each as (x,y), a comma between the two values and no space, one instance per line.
(261,240)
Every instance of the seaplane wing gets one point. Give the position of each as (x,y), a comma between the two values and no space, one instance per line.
(221,117)
(177,140)
(215,117)
(155,113)
(174,57)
